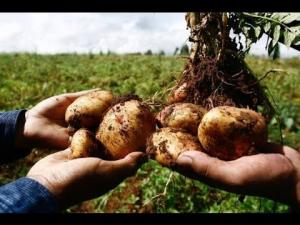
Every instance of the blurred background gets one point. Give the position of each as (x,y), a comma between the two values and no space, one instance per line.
(43,54)
(51,33)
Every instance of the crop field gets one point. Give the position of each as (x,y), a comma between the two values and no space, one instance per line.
(26,79)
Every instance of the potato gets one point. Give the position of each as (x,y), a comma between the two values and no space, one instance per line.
(125,128)
(186,116)
(166,144)
(84,144)
(229,132)
(86,111)
(179,94)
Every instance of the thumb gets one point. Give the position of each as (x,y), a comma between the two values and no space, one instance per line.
(127,166)
(199,164)
(213,171)
(184,163)
(185,159)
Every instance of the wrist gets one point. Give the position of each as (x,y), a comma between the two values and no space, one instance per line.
(22,141)
(55,192)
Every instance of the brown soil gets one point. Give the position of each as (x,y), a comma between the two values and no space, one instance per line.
(211,83)
(216,73)
(118,199)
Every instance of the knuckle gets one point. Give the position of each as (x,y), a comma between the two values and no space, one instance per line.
(131,165)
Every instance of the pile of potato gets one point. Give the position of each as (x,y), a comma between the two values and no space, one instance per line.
(113,130)
(224,132)
(108,130)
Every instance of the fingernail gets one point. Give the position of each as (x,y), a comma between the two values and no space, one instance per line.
(183,163)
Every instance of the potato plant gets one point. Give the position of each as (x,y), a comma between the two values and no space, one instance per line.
(216,99)
(24,86)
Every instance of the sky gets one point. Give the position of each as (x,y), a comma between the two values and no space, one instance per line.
(50,33)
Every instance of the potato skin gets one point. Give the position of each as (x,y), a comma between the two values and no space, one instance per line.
(185,116)
(86,111)
(166,144)
(178,95)
(125,128)
(229,133)
(84,144)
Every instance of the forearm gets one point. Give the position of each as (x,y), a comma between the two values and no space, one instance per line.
(11,142)
(26,195)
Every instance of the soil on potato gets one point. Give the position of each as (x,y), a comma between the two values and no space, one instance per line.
(124,98)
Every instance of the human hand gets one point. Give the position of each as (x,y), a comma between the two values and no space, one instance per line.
(274,174)
(77,180)
(44,125)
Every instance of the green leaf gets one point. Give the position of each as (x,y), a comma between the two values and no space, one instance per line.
(289,122)
(296,30)
(296,41)
(279,16)
(291,17)
(270,48)
(288,38)
(276,53)
(248,43)
(276,35)
(257,31)
(245,30)
(267,27)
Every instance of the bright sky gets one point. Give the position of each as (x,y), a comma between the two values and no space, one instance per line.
(95,32)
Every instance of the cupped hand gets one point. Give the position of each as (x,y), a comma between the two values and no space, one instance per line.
(77,180)
(44,125)
(274,174)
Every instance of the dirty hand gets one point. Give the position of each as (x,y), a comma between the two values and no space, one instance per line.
(77,180)
(274,174)
(44,125)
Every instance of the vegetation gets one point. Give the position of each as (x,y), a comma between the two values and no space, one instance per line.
(27,79)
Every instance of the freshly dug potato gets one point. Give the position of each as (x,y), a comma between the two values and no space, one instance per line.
(125,128)
(84,144)
(229,132)
(179,94)
(86,111)
(166,144)
(186,116)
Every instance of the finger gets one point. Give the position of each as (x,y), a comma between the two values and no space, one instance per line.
(61,155)
(241,175)
(293,155)
(56,106)
(54,136)
(199,165)
(64,100)
(72,96)
(124,167)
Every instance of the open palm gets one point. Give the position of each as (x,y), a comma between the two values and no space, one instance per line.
(274,174)
(73,181)
(45,124)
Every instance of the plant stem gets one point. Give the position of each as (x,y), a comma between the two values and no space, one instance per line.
(267,18)
(164,193)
